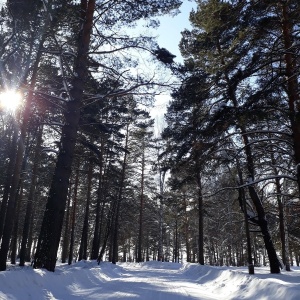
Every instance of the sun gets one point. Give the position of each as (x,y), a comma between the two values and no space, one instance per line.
(10,100)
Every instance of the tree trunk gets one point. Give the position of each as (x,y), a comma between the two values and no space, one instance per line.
(14,239)
(201,222)
(273,259)
(247,231)
(73,221)
(99,210)
(262,221)
(120,195)
(29,206)
(9,177)
(176,250)
(28,252)
(187,242)
(140,237)
(292,88)
(162,176)
(49,238)
(85,230)
(11,207)
(66,235)
(105,240)
(285,258)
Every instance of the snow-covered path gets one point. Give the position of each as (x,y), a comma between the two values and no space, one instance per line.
(154,281)
(147,281)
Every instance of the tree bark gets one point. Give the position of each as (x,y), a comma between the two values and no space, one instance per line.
(9,177)
(29,206)
(14,239)
(247,231)
(85,230)
(140,237)
(281,216)
(120,195)
(201,221)
(48,243)
(11,207)
(162,174)
(99,210)
(66,235)
(292,88)
(73,221)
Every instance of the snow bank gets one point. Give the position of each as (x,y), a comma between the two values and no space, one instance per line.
(235,284)
(147,281)
(67,282)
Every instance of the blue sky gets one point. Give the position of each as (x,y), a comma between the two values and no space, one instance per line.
(169,36)
(171,27)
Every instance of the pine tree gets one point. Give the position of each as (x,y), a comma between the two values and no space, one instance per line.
(226,50)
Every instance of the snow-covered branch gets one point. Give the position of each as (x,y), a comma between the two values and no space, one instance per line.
(252,182)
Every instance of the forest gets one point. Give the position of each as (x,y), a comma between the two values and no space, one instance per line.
(84,175)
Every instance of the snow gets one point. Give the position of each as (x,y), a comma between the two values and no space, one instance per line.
(147,281)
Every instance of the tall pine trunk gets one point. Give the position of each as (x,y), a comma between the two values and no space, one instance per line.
(73,221)
(99,209)
(120,195)
(8,180)
(292,86)
(29,206)
(98,219)
(85,230)
(49,238)
(66,235)
(141,217)
(201,221)
(11,207)
(14,239)
(262,220)
(242,199)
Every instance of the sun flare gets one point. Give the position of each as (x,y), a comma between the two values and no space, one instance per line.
(10,100)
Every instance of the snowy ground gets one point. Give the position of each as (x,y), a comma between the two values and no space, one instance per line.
(147,281)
